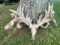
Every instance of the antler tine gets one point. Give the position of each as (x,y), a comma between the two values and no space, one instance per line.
(10,24)
(22,14)
(49,8)
(52,14)
(52,5)
(51,11)
(46,13)
(40,18)
(14,13)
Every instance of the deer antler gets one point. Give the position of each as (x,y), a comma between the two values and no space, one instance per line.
(49,16)
(14,13)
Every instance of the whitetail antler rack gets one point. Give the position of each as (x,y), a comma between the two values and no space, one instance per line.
(49,16)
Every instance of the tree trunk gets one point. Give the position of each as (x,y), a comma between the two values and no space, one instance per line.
(34,8)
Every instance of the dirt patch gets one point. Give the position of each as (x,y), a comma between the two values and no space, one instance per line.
(24,30)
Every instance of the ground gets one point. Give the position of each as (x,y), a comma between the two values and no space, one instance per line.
(49,36)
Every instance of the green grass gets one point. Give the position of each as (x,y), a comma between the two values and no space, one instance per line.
(49,36)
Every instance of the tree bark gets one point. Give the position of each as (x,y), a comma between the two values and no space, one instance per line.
(34,8)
